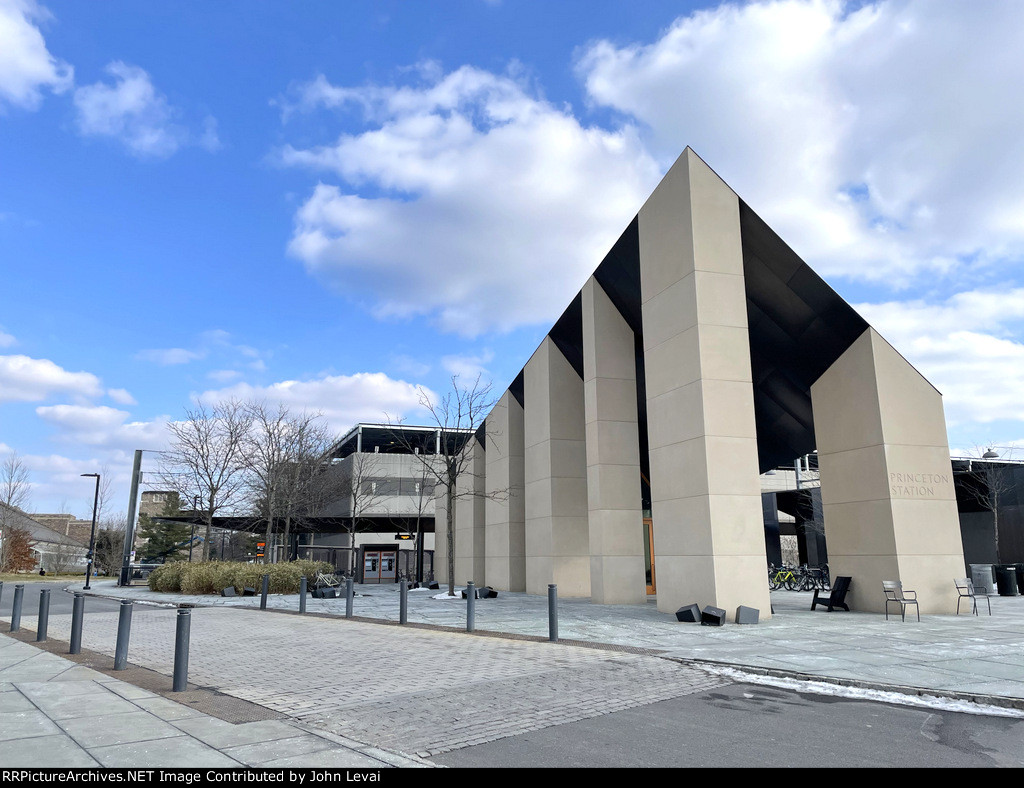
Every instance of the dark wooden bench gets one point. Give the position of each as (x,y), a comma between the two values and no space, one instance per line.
(836,597)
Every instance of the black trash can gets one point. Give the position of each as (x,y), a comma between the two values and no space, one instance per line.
(1020,577)
(1006,579)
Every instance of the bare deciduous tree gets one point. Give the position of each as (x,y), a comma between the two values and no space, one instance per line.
(285,454)
(458,414)
(205,459)
(14,497)
(987,481)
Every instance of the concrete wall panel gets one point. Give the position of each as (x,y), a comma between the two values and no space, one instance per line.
(708,534)
(889,506)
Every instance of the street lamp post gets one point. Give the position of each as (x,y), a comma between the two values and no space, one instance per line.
(92,533)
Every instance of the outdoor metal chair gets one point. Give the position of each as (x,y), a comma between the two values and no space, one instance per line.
(965,589)
(895,593)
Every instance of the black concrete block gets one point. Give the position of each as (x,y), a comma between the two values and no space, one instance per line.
(229,591)
(712,617)
(688,613)
(747,615)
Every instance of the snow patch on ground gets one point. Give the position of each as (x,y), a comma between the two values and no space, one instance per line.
(862,693)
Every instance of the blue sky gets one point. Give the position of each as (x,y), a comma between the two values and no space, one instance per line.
(333,203)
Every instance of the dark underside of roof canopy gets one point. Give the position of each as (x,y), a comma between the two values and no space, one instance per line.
(798,327)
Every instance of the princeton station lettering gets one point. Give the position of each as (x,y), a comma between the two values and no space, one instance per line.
(917,485)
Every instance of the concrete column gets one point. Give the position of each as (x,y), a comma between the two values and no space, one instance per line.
(706,498)
(441,535)
(886,482)
(555,464)
(505,506)
(469,518)
(617,572)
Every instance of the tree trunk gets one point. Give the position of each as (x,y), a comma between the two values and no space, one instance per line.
(206,539)
(450,514)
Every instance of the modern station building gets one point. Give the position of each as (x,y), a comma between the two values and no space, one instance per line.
(625,458)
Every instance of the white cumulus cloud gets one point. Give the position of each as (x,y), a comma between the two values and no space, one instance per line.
(881,140)
(104,427)
(26,65)
(135,113)
(342,399)
(468,198)
(968,346)
(25,379)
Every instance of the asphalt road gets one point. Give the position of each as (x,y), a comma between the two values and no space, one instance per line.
(745,725)
(60,602)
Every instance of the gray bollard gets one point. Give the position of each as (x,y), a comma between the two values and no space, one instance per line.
(349,593)
(19,597)
(302,594)
(1,590)
(470,606)
(403,602)
(77,612)
(124,631)
(44,615)
(264,592)
(553,613)
(181,641)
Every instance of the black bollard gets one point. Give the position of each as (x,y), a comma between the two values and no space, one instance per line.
(77,612)
(553,613)
(44,615)
(124,631)
(19,597)
(1,590)
(349,593)
(403,602)
(181,641)
(470,606)
(302,594)
(264,592)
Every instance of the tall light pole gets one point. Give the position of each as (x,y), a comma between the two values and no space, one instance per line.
(92,533)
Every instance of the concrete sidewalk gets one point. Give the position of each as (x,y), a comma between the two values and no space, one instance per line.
(342,691)
(974,658)
(56,713)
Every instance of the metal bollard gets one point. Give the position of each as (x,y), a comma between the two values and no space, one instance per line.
(124,630)
(349,593)
(19,596)
(302,594)
(403,602)
(553,613)
(264,592)
(470,606)
(77,612)
(181,641)
(1,590)
(44,615)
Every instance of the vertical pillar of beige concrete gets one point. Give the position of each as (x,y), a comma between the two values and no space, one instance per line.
(706,498)
(504,507)
(555,469)
(886,481)
(440,534)
(469,518)
(617,574)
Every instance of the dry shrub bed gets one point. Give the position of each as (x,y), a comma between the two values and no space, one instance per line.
(212,577)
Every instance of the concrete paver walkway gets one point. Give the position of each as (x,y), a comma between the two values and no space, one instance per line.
(55,713)
(962,656)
